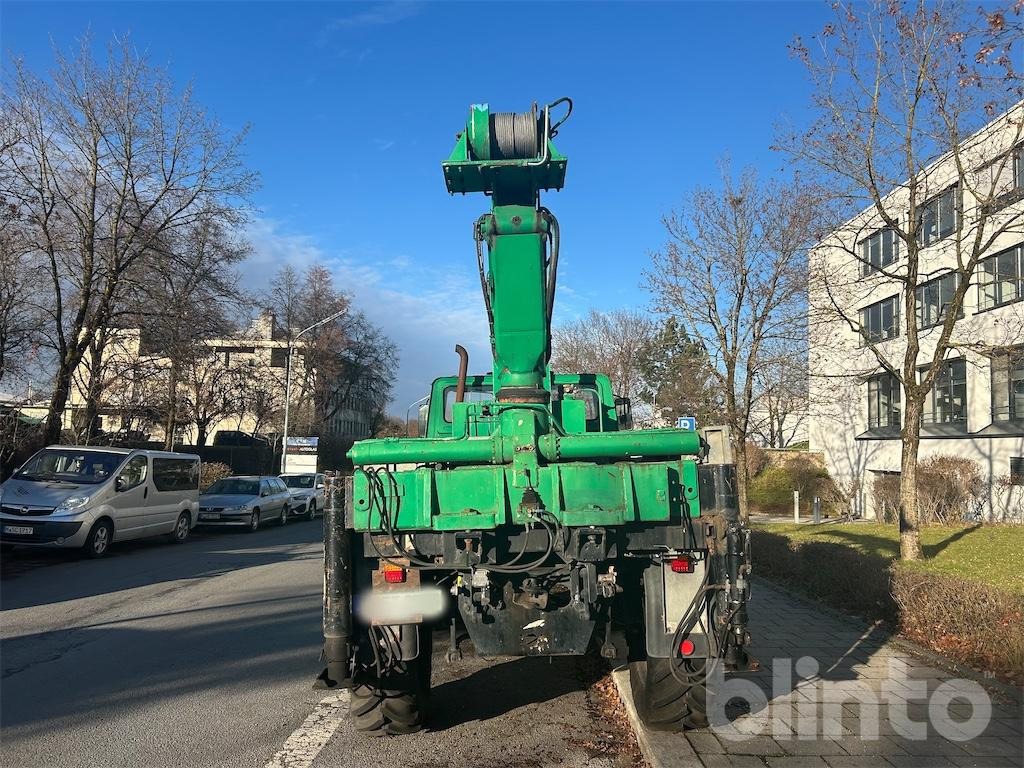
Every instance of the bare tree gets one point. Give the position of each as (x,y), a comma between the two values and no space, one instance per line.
(347,362)
(105,159)
(780,396)
(613,343)
(733,272)
(187,295)
(21,318)
(899,93)
(209,393)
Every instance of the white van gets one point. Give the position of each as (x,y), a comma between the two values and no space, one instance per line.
(90,496)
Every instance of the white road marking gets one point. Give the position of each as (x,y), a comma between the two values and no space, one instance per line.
(302,747)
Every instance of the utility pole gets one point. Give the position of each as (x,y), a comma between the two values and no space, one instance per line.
(288,380)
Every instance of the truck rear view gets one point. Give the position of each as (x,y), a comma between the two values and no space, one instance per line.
(528,506)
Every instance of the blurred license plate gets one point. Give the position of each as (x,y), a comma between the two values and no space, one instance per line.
(209,516)
(18,530)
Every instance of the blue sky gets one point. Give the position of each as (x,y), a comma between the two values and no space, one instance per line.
(352,106)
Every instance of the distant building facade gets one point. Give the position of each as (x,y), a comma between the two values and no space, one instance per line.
(230,385)
(975,409)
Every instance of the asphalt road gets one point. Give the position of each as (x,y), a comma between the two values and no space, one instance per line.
(203,655)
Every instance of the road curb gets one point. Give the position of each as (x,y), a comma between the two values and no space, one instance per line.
(660,749)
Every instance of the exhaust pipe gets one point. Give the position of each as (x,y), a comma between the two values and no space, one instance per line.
(460,388)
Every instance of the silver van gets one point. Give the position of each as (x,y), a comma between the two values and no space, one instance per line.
(89,496)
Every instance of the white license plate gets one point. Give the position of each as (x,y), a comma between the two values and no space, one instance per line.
(18,530)
(209,516)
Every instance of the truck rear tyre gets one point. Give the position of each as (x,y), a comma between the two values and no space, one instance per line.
(396,703)
(665,703)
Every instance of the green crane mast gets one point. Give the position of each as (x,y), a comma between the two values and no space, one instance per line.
(528,496)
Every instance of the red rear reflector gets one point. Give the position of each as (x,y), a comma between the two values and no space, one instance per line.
(682,565)
(686,648)
(393,574)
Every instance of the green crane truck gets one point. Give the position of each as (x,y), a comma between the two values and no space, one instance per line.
(527,505)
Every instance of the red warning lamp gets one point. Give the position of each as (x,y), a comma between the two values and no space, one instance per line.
(682,565)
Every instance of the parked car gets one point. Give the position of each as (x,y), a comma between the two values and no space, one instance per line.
(88,497)
(245,501)
(308,490)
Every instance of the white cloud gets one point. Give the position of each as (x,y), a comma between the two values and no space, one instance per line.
(426,311)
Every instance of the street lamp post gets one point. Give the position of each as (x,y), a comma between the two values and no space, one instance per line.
(288,381)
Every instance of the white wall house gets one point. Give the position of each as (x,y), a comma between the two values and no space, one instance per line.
(857,312)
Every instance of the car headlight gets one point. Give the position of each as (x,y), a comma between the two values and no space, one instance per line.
(71,503)
(239,508)
(301,497)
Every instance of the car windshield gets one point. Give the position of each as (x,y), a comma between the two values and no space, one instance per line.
(235,486)
(299,481)
(51,465)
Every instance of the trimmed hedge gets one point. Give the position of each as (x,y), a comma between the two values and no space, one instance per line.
(771,489)
(968,621)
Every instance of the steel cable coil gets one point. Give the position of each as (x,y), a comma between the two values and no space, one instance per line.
(515,135)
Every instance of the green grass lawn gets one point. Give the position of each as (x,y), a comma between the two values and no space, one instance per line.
(991,554)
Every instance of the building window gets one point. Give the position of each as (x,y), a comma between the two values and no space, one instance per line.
(933,299)
(947,401)
(880,321)
(883,401)
(878,250)
(1017,470)
(1008,385)
(279,357)
(1005,178)
(1001,278)
(937,217)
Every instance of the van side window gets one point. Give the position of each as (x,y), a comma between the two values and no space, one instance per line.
(175,474)
(134,472)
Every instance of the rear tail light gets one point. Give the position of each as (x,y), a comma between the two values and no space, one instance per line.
(686,648)
(682,565)
(393,574)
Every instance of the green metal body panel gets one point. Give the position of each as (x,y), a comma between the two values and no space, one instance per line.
(577,493)
(522,429)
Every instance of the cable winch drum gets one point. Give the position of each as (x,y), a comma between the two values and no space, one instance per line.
(515,135)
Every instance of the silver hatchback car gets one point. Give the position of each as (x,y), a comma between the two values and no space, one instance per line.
(245,502)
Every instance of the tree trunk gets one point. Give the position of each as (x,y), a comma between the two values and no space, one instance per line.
(201,428)
(58,401)
(910,535)
(93,393)
(740,451)
(171,423)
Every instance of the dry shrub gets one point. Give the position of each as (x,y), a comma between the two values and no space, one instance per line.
(212,471)
(757,459)
(965,620)
(949,490)
(973,622)
(885,492)
(834,573)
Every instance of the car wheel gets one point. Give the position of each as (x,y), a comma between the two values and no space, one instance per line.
(311,509)
(181,528)
(97,543)
(254,521)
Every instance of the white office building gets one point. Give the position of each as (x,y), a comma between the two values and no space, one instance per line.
(857,315)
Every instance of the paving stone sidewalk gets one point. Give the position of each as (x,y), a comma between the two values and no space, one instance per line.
(839,693)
